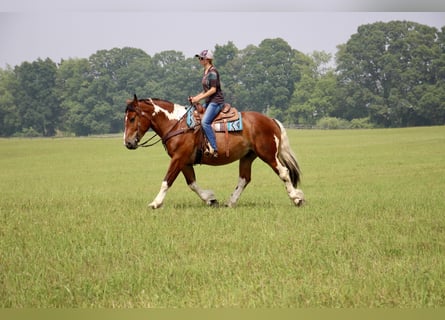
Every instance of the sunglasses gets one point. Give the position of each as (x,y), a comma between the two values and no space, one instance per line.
(201,58)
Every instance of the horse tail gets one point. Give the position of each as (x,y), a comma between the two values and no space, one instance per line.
(287,157)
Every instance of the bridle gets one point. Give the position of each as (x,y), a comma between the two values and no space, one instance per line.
(141,113)
(169,133)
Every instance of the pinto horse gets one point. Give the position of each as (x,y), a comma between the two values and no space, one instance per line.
(261,137)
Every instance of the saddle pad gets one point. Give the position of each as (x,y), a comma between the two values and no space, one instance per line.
(236,125)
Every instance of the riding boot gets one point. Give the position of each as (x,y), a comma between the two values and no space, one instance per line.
(210,152)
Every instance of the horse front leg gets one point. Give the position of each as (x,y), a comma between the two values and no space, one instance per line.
(159,200)
(173,170)
(245,169)
(205,195)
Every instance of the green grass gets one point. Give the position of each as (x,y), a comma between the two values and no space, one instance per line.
(76,231)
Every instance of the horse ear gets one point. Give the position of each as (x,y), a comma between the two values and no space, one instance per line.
(132,102)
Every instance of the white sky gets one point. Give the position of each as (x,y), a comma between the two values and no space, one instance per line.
(31,29)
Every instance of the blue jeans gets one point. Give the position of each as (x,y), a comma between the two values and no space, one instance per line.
(212,110)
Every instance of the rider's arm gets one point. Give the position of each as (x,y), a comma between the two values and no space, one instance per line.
(203,95)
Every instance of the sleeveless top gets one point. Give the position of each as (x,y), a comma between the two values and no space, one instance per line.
(209,80)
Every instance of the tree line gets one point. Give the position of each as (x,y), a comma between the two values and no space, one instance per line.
(387,75)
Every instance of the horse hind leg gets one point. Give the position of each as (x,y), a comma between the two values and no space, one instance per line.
(296,195)
(242,183)
(286,166)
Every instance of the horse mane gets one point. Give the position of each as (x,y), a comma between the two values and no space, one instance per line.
(149,100)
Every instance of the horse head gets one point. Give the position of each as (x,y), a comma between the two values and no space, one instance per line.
(136,123)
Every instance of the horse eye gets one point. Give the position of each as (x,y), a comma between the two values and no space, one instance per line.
(132,119)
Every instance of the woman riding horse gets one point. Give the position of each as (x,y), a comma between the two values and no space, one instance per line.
(213,95)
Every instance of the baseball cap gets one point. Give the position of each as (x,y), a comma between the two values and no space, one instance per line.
(206,54)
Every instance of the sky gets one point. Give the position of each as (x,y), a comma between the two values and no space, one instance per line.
(32,29)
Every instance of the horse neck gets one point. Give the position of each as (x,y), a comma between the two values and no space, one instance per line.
(162,116)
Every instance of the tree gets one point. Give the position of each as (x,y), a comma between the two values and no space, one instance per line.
(264,76)
(35,97)
(111,72)
(382,67)
(314,95)
(72,87)
(10,121)
(174,77)
(392,74)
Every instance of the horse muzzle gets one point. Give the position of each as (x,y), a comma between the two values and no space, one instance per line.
(132,144)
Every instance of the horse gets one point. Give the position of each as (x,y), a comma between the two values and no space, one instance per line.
(261,136)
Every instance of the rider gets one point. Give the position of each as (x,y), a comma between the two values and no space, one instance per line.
(213,95)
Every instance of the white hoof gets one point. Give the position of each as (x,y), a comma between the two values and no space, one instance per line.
(298,198)
(230,204)
(155,205)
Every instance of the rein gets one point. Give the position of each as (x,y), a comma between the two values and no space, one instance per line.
(147,144)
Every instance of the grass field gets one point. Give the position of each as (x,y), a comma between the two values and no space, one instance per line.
(76,231)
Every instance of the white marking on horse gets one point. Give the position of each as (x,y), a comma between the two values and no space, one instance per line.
(125,131)
(296,195)
(178,111)
(157,202)
(237,193)
(277,143)
(206,195)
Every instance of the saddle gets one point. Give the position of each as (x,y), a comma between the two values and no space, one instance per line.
(228,114)
(229,119)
